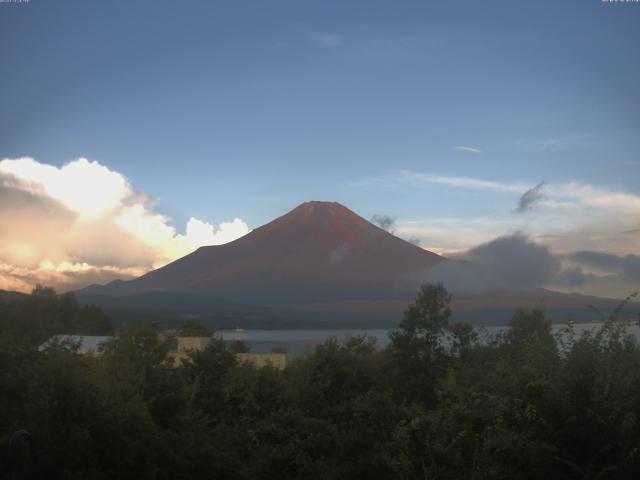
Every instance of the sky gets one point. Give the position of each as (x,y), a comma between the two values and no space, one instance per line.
(132,132)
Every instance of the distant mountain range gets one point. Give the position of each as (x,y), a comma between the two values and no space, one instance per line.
(319,264)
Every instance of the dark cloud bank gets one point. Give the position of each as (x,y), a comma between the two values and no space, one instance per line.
(626,267)
(514,262)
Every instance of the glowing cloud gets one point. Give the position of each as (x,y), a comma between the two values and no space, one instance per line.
(201,233)
(84,223)
(85,187)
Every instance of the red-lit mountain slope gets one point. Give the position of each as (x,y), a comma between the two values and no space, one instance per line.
(318,252)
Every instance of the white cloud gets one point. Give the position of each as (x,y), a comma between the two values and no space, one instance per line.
(462,148)
(85,187)
(84,223)
(201,233)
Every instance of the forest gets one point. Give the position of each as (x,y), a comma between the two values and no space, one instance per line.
(439,402)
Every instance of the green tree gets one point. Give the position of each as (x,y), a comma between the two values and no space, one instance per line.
(207,368)
(32,319)
(526,326)
(419,358)
(191,328)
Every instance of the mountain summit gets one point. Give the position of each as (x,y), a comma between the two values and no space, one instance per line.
(318,252)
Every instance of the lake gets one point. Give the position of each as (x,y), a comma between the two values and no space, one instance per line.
(300,341)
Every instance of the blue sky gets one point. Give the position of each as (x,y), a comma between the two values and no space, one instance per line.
(245,109)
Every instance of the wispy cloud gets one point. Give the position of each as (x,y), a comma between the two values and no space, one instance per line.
(462,148)
(386,222)
(422,179)
(556,143)
(569,216)
(324,40)
(560,195)
(530,198)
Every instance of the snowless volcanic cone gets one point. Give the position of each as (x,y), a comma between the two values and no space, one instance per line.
(318,252)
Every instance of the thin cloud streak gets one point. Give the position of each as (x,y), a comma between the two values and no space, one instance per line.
(462,148)
(553,144)
(421,179)
(558,193)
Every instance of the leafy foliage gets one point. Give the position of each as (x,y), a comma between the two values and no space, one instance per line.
(191,328)
(437,403)
(30,320)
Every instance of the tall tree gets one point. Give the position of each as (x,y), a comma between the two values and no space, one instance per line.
(418,355)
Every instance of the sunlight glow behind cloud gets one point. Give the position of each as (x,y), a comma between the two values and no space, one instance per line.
(85,187)
(84,223)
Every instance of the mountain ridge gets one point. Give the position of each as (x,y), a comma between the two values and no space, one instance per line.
(319,251)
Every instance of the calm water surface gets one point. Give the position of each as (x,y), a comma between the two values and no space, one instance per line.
(297,342)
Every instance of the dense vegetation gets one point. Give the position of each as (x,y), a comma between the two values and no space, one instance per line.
(30,320)
(524,405)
